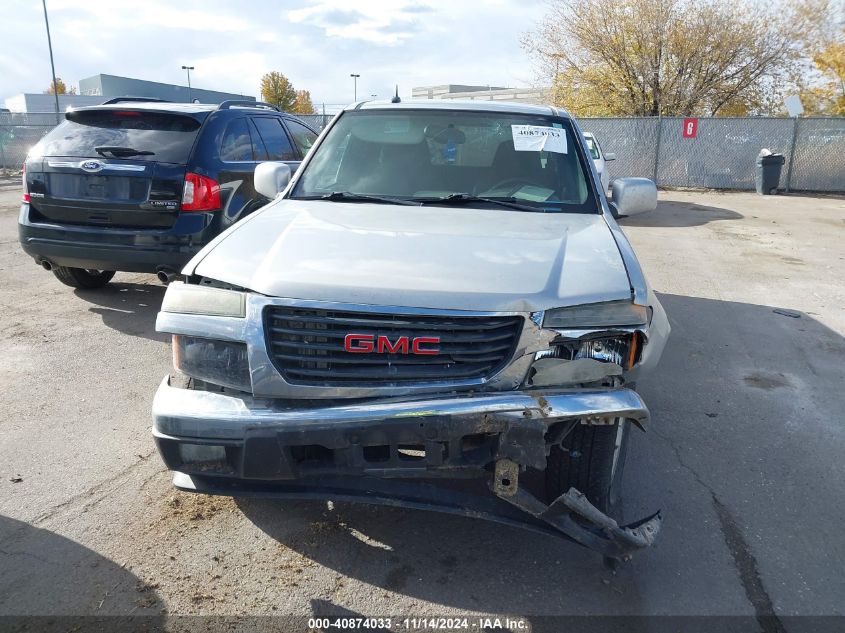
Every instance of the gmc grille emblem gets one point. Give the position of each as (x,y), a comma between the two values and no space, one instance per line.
(381,344)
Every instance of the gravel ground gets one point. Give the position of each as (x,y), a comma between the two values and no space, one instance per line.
(744,456)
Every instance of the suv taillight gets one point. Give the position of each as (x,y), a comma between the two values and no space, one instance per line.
(200,193)
(25,187)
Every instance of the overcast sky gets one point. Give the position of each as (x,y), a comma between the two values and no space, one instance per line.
(316,43)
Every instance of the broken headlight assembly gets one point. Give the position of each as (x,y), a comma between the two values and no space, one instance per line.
(622,349)
(596,343)
(222,363)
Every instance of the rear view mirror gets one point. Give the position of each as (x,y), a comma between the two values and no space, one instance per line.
(271,178)
(610,156)
(631,196)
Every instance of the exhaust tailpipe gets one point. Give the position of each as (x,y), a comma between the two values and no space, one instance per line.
(46,265)
(166,275)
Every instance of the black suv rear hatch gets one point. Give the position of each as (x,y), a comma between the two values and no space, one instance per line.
(113,167)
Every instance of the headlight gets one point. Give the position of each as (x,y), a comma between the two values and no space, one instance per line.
(607,314)
(191,299)
(621,350)
(218,362)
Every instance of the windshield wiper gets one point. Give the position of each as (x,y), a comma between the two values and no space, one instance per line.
(462,198)
(122,151)
(347,196)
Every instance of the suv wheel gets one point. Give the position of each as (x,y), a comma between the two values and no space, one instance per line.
(590,459)
(82,278)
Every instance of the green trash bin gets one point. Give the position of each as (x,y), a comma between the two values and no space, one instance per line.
(767,177)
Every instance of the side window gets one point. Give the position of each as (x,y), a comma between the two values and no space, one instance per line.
(236,144)
(275,140)
(302,136)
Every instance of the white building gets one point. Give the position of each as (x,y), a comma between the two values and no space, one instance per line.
(481,93)
(36,102)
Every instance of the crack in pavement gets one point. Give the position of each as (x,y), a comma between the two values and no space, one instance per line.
(743,559)
(682,463)
(116,482)
(27,555)
(107,487)
(749,574)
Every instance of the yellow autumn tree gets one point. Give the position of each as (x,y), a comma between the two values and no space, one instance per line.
(827,95)
(303,104)
(60,88)
(669,57)
(278,90)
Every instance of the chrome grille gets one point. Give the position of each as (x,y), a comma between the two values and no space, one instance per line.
(307,347)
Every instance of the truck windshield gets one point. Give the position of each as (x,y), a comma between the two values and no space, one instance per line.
(448,157)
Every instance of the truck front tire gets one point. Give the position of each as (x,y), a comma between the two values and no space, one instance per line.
(590,459)
(81,278)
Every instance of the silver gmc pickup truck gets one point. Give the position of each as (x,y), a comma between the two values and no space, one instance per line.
(437,311)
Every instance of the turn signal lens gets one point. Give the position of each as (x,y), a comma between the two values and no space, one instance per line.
(193,299)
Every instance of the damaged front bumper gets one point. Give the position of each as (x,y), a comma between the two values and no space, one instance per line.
(394,452)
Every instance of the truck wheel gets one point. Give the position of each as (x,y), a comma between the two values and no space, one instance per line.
(592,460)
(82,278)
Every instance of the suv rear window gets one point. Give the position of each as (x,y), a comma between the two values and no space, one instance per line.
(169,137)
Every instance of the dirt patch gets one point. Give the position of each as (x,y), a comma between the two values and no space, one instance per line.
(183,511)
(767,381)
(837,222)
(786,259)
(398,577)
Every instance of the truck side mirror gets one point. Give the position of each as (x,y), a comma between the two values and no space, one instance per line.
(271,178)
(630,196)
(610,156)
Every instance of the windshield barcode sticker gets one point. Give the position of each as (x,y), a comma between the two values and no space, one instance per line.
(539,138)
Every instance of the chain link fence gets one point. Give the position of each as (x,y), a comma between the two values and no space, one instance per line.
(316,121)
(723,153)
(19,131)
(721,156)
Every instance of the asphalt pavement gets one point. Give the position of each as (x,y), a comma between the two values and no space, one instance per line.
(743,455)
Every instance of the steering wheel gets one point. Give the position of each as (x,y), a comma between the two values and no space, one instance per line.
(515,184)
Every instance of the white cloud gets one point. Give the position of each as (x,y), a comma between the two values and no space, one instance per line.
(377,21)
(316,43)
(133,14)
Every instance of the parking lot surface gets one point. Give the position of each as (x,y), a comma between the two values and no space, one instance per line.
(744,455)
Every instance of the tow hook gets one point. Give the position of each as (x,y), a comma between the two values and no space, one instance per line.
(593,528)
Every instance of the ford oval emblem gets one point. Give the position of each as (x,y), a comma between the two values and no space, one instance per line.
(92,165)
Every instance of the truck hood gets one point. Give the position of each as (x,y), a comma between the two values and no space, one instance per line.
(426,257)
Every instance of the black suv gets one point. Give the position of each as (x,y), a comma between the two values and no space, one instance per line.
(141,185)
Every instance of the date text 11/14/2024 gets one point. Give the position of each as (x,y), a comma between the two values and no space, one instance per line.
(420,624)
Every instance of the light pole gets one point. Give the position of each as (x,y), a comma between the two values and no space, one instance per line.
(354,86)
(189,69)
(52,65)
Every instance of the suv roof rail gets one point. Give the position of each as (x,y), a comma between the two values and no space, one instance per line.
(133,99)
(245,103)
